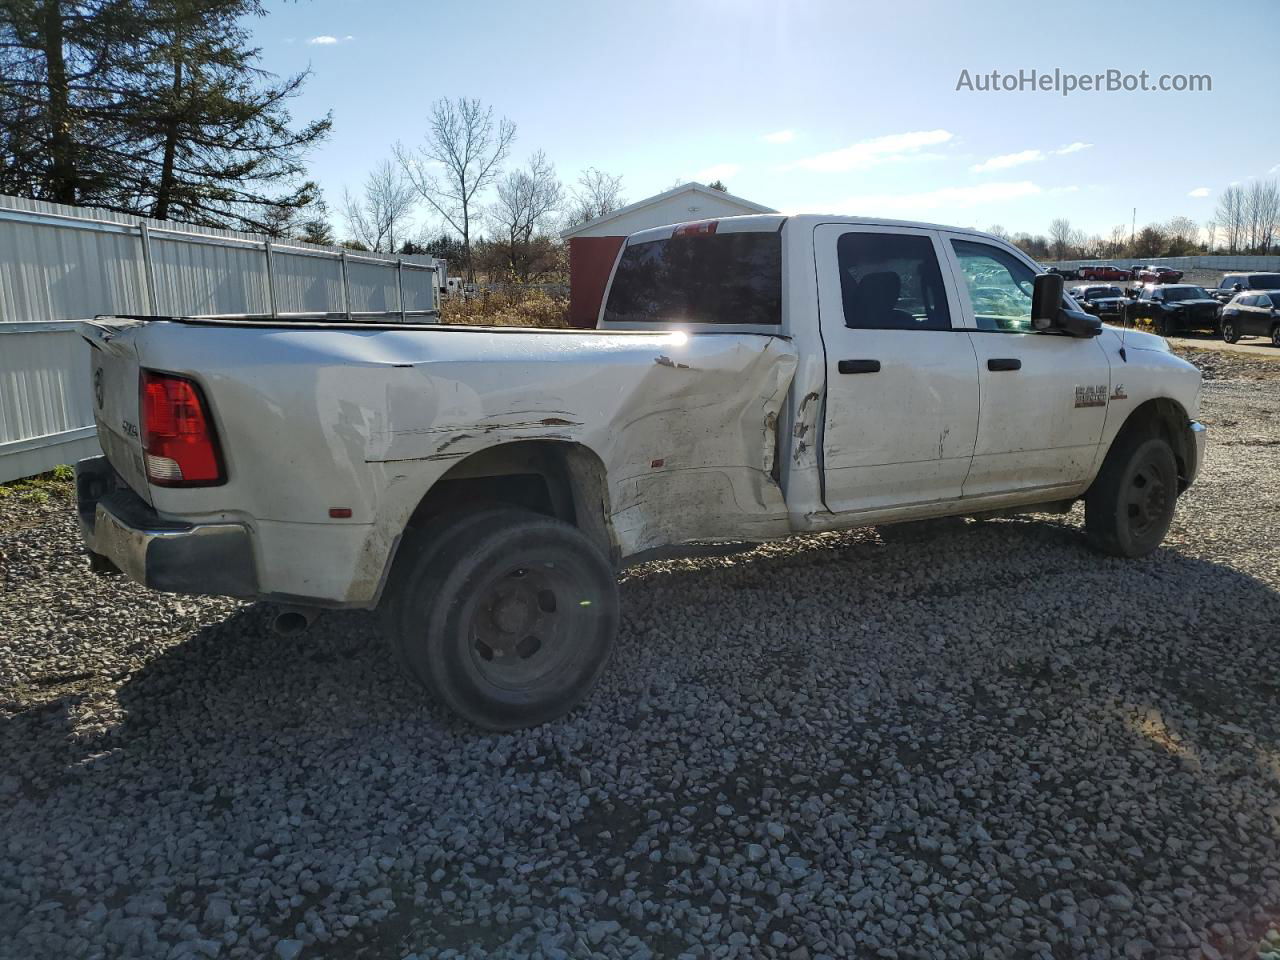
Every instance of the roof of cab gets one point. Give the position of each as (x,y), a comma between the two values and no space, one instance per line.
(759,223)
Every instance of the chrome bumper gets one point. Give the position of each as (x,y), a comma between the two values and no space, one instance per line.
(1200,433)
(123,532)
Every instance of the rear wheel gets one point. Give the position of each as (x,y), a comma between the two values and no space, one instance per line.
(1130,505)
(1162,325)
(1275,335)
(1229,332)
(510,622)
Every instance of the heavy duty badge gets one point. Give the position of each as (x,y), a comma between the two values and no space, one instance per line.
(1091,396)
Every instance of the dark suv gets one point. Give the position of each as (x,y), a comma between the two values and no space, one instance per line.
(1252,314)
(1233,283)
(1175,308)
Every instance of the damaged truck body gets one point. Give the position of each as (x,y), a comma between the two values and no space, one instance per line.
(750,378)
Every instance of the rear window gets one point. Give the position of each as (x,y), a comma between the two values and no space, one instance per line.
(708,278)
(1265,281)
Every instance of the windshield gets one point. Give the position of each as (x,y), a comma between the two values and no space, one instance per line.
(1185,293)
(706,278)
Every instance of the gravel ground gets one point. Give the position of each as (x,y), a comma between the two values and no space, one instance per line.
(990,744)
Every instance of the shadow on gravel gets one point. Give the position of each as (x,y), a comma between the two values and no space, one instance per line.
(996,710)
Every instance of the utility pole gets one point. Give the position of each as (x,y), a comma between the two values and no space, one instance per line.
(1133,224)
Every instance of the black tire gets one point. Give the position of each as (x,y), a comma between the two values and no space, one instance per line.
(1162,325)
(1229,332)
(1275,335)
(417,551)
(1130,505)
(509,621)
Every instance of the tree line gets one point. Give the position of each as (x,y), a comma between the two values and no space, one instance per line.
(1246,221)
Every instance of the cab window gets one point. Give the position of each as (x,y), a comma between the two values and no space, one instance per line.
(1000,287)
(891,281)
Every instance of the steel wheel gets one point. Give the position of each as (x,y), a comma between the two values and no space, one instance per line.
(1148,498)
(521,626)
(1229,331)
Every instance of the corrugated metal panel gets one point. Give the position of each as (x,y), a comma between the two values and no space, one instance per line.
(306,284)
(420,291)
(373,287)
(196,279)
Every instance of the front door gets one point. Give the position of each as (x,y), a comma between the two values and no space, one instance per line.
(902,380)
(1044,394)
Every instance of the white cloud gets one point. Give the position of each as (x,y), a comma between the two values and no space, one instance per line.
(324,40)
(1199,192)
(1275,169)
(950,198)
(779,136)
(1007,160)
(869,153)
(1073,148)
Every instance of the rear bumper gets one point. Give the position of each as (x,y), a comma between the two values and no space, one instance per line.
(122,531)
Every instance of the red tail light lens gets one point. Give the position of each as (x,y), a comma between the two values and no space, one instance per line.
(698,228)
(179,443)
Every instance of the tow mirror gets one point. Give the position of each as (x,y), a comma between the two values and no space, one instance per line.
(1049,313)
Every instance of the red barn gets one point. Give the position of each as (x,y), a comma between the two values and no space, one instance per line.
(594,245)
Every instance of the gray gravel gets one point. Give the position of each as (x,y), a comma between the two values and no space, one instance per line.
(990,744)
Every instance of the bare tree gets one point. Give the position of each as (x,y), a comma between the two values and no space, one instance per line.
(460,157)
(1230,217)
(998,231)
(1183,234)
(375,218)
(598,194)
(1261,213)
(1118,240)
(1060,236)
(526,200)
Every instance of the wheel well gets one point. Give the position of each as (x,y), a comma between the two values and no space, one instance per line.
(561,479)
(1165,418)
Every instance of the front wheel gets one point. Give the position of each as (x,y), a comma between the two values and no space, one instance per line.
(1275,335)
(512,624)
(1229,332)
(1130,505)
(1163,326)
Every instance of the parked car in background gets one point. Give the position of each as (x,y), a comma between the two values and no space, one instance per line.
(1101,301)
(1104,271)
(1154,274)
(1173,308)
(1233,283)
(1255,314)
(1066,273)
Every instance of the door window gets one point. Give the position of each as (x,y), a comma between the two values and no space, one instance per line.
(1000,287)
(891,281)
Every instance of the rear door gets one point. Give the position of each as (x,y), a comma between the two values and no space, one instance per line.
(113,369)
(1044,395)
(902,382)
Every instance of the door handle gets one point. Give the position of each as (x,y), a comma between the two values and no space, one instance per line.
(859,366)
(1004,363)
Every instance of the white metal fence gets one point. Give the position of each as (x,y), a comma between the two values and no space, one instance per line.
(61,264)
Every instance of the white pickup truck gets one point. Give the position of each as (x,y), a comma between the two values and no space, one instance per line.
(751,377)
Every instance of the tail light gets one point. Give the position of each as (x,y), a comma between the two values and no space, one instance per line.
(179,443)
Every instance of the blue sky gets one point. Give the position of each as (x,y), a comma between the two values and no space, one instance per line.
(840,107)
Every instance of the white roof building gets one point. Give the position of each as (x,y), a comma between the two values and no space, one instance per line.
(690,201)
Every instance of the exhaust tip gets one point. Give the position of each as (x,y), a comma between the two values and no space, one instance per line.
(291,622)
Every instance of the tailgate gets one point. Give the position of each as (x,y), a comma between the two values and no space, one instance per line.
(113,369)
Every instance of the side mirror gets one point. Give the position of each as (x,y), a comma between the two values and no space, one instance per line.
(1048,313)
(1237,287)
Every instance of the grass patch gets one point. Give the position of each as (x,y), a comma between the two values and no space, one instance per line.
(40,488)
(512,306)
